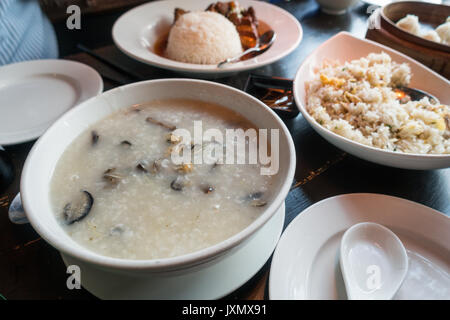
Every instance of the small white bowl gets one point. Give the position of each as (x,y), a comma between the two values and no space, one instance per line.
(40,164)
(345,47)
(336,7)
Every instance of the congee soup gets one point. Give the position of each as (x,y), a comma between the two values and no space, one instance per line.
(117,191)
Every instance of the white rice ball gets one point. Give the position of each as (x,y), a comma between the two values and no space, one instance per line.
(410,23)
(203,38)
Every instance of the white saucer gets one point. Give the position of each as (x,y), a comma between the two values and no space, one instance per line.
(305,264)
(34,94)
(136,32)
(211,282)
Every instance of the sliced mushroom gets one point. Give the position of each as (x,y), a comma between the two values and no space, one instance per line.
(161,124)
(126,143)
(94,137)
(156,165)
(79,208)
(178,184)
(112,176)
(142,166)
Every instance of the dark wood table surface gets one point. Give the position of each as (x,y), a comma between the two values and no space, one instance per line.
(31,269)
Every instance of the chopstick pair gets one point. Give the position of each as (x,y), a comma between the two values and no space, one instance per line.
(275,92)
(121,69)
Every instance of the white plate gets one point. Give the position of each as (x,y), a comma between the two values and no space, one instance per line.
(385,2)
(211,282)
(34,94)
(305,264)
(136,31)
(345,47)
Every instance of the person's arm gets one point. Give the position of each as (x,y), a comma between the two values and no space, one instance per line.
(25,32)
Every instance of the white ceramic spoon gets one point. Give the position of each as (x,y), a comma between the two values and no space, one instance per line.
(373,262)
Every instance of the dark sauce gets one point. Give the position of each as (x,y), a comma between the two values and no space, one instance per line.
(161,43)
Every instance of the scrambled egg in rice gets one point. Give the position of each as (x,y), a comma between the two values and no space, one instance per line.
(357,100)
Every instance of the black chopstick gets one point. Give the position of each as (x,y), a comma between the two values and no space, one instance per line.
(111,64)
(7,172)
(113,80)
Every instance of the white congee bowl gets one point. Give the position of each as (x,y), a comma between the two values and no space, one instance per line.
(41,162)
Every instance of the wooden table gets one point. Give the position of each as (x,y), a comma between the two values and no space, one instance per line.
(32,269)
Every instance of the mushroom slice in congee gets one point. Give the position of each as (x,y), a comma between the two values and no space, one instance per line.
(146,206)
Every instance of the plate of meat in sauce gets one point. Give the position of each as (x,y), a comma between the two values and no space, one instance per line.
(193,37)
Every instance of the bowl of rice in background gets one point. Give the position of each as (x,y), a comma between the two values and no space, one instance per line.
(344,89)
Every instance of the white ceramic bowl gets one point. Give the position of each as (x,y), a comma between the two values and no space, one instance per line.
(39,166)
(336,7)
(136,32)
(345,47)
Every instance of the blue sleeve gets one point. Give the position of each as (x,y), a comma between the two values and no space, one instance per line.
(25,32)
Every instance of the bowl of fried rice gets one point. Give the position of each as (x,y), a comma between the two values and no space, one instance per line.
(347,91)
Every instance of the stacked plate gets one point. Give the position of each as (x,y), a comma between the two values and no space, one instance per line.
(34,94)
